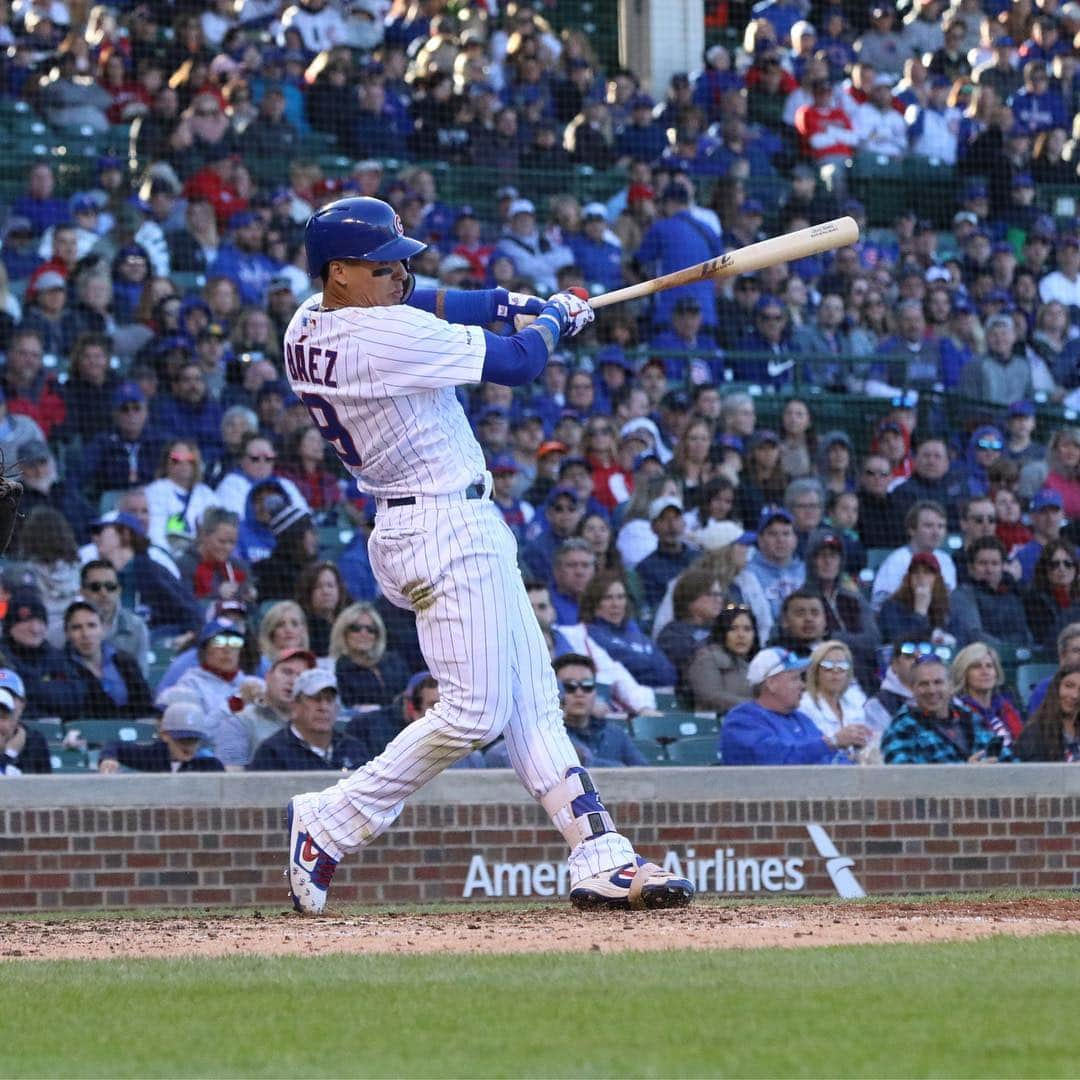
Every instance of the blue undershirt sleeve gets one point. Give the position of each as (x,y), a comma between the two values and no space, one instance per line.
(465,307)
(517,360)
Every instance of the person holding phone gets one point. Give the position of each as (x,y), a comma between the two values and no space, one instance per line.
(936,730)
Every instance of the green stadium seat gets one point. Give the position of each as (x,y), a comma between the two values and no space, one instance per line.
(668,727)
(69,761)
(697,751)
(666,701)
(333,540)
(99,732)
(1028,676)
(188,281)
(652,751)
(52,730)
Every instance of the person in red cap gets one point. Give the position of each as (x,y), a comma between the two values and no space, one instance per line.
(920,606)
(239,732)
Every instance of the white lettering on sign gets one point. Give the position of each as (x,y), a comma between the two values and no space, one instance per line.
(723,872)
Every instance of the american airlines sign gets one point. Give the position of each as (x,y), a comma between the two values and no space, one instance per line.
(721,871)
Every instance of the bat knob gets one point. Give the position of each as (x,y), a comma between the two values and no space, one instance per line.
(580,293)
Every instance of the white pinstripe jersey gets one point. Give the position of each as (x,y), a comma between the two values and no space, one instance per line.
(379,384)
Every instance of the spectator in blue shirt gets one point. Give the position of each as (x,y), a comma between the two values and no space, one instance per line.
(241,258)
(642,136)
(572,569)
(766,354)
(599,744)
(309,740)
(673,242)
(686,336)
(770,730)
(38,205)
(600,260)
(20,254)
(189,412)
(1036,107)
(605,609)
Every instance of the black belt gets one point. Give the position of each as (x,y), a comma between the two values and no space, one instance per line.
(473,491)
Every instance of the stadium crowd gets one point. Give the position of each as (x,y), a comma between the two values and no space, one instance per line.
(191,549)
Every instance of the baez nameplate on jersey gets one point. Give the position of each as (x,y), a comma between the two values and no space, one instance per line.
(720,871)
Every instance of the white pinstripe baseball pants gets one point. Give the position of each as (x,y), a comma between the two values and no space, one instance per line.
(483,645)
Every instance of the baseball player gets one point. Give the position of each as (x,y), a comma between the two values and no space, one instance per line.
(377,364)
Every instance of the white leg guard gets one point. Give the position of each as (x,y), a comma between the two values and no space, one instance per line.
(577,812)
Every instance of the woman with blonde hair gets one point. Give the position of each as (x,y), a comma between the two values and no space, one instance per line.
(978,678)
(178,498)
(368,674)
(834,701)
(282,626)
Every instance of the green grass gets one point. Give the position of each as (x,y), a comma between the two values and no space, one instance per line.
(991,1008)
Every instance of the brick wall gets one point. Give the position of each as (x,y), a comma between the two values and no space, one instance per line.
(210,853)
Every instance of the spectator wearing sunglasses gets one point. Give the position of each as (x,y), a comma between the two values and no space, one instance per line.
(988,607)
(934,729)
(978,520)
(1047,522)
(124,629)
(178,498)
(833,700)
(257,462)
(598,743)
(1053,601)
(895,689)
(104,682)
(985,447)
(217,676)
(367,672)
(771,730)
(881,521)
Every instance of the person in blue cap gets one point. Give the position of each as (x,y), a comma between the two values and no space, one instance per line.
(1019,429)
(599,259)
(642,136)
(933,129)
(128,454)
(241,258)
(770,729)
(673,242)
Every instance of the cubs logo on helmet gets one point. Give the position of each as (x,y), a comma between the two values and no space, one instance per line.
(357,228)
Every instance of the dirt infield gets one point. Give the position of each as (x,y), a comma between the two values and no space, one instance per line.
(545,929)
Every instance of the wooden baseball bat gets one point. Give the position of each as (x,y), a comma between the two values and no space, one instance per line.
(777,249)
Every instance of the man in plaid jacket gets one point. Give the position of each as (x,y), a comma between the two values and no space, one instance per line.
(935,730)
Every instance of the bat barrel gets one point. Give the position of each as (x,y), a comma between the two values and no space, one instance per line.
(777,249)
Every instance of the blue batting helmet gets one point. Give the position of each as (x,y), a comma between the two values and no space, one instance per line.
(357,228)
